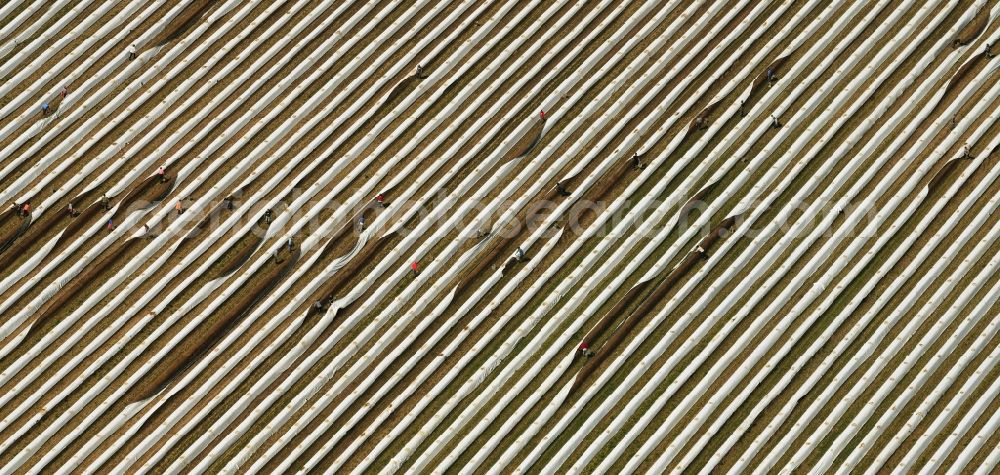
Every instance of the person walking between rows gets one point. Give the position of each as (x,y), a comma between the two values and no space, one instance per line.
(413,268)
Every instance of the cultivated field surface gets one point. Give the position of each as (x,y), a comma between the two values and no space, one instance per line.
(494,236)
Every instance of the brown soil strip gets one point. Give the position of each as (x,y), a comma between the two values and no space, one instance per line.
(180,23)
(13,227)
(206,336)
(147,193)
(243,249)
(965,73)
(974,28)
(197,345)
(528,140)
(654,299)
(62,303)
(44,319)
(944,173)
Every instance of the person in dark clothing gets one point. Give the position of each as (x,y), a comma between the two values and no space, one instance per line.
(774,122)
(45,109)
(562,189)
(229,203)
(519,255)
(105,203)
(267,216)
(636,162)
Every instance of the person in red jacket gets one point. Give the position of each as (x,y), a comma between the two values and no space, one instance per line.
(413,268)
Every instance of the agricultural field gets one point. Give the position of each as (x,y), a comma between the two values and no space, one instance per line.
(494,237)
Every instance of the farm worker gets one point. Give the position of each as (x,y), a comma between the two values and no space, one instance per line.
(267,216)
(967,153)
(131,52)
(45,109)
(704,254)
(361,223)
(111,225)
(63,92)
(774,122)
(105,204)
(380,199)
(771,77)
(229,203)
(636,162)
(420,71)
(542,115)
(413,268)
(519,254)
(989,51)
(743,112)
(290,244)
(26,208)
(562,189)
(72,212)
(179,208)
(162,173)
(318,306)
(585,349)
